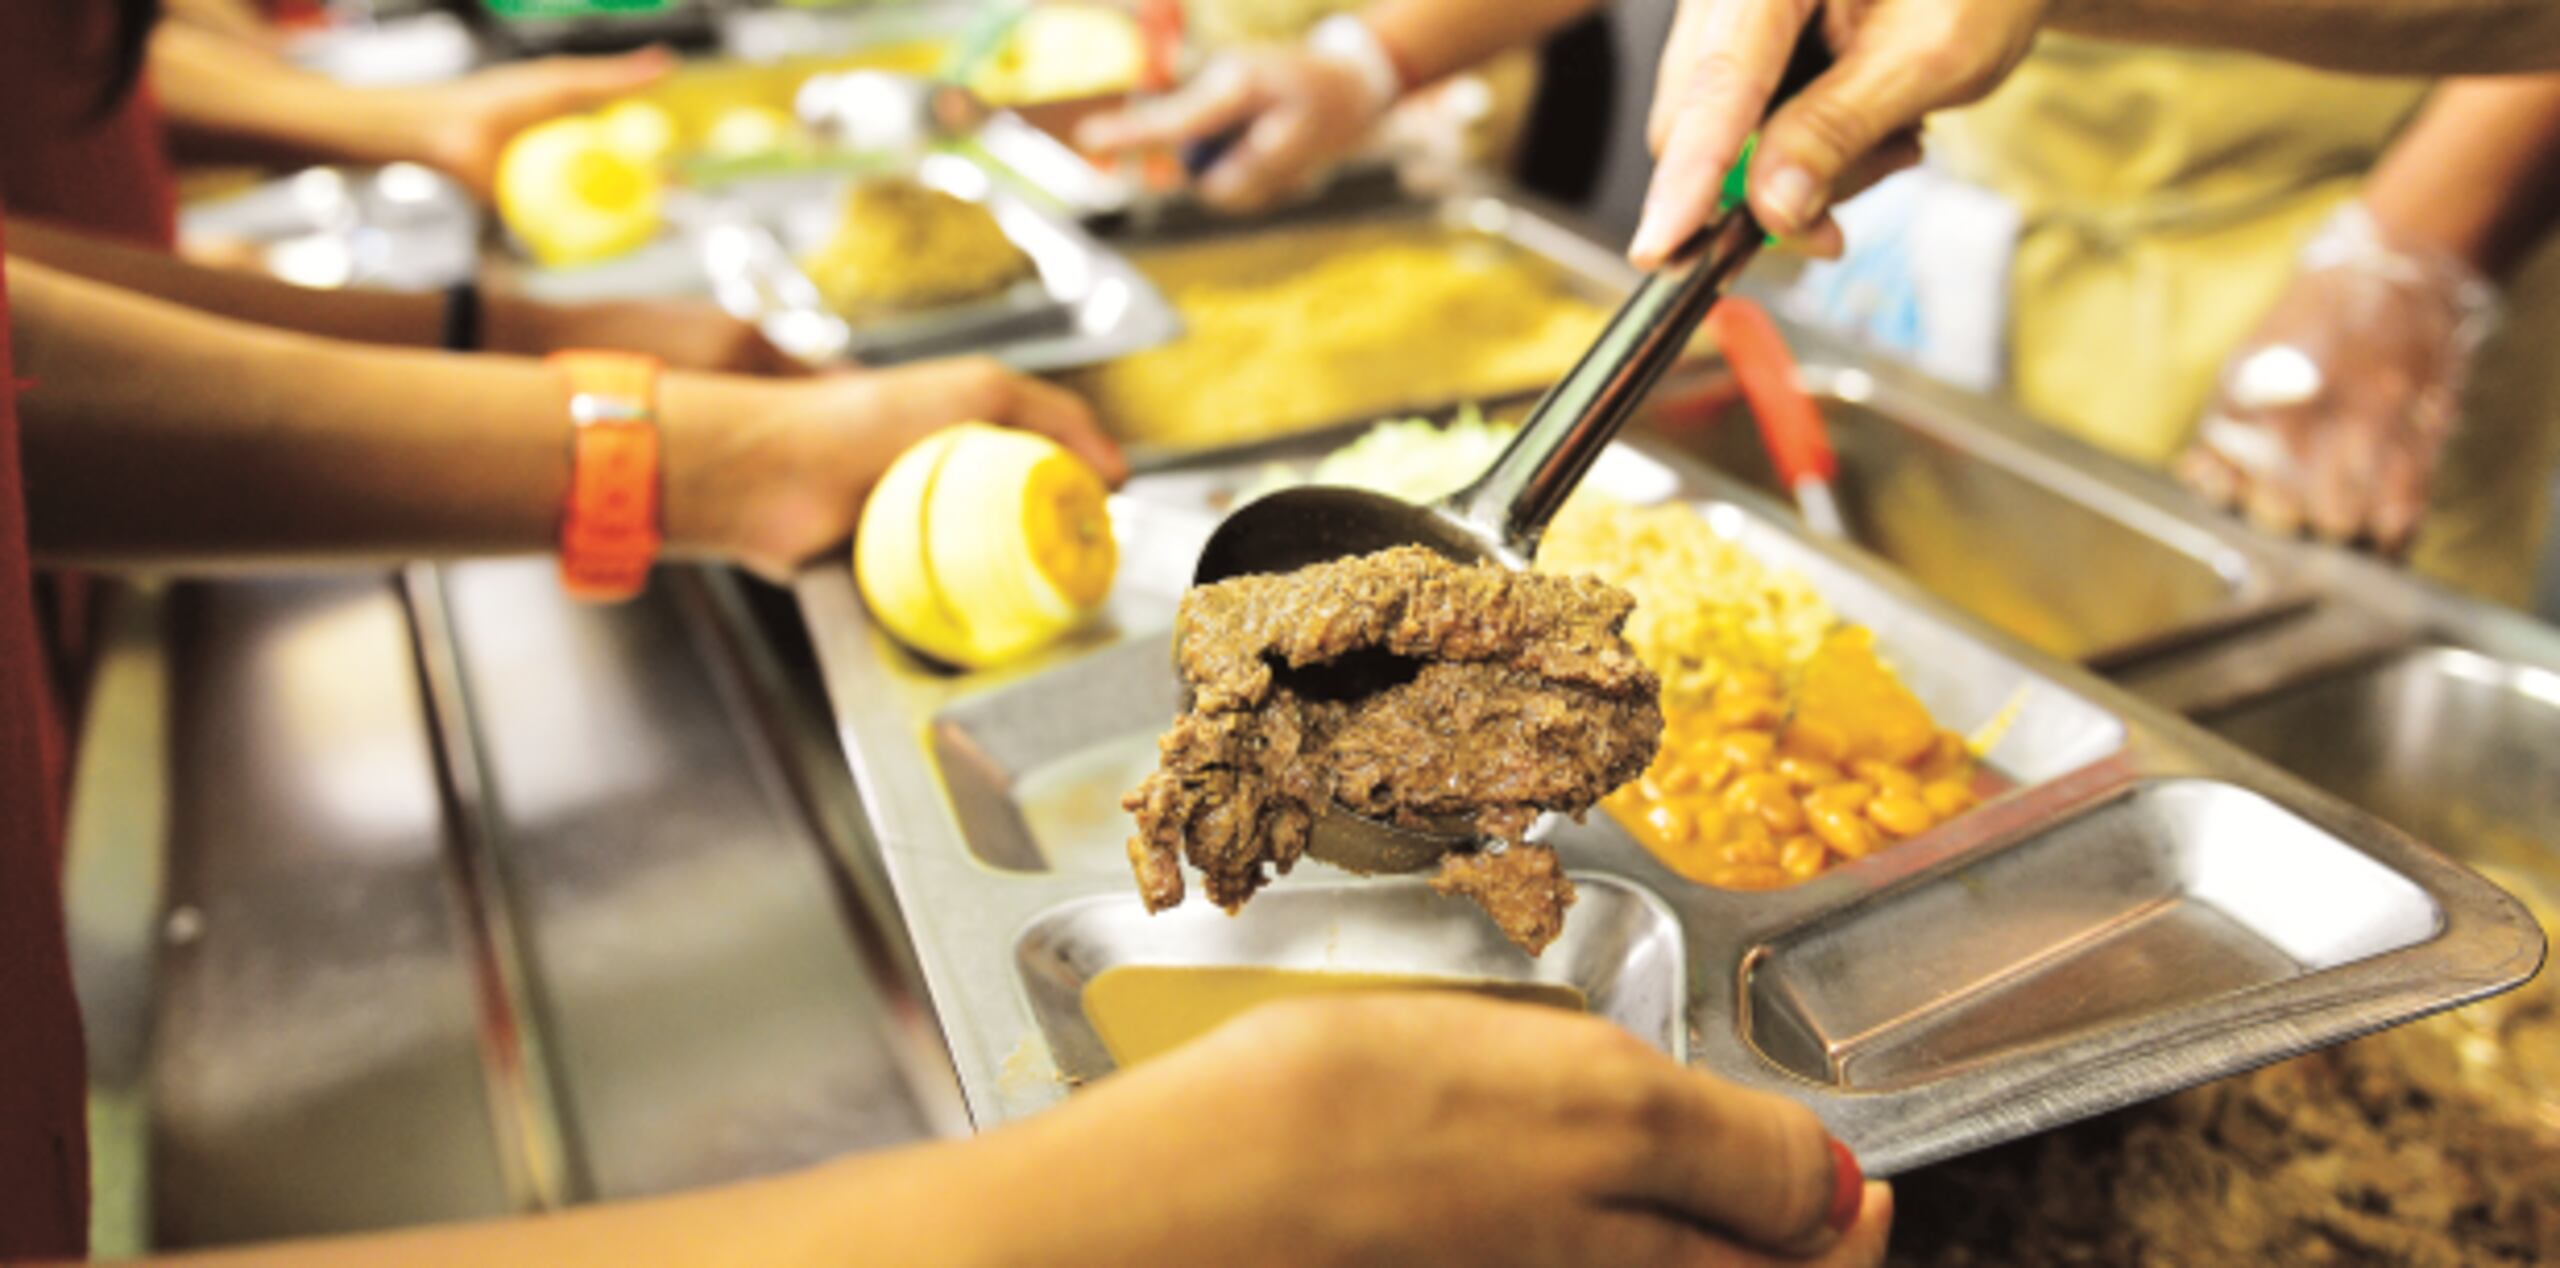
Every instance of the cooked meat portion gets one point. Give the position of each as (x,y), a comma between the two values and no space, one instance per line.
(1523,888)
(902,247)
(2437,1143)
(1408,688)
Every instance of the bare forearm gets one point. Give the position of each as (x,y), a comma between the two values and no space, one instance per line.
(2424,37)
(224,94)
(2477,175)
(364,316)
(160,436)
(508,323)
(1436,38)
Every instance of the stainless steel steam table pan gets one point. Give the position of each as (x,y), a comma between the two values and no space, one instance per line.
(1084,304)
(1992,510)
(2147,909)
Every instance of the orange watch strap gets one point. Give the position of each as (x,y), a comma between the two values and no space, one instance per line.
(609,523)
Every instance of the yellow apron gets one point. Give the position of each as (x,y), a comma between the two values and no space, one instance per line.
(2163,194)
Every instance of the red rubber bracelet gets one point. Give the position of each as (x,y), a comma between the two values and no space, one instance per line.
(609,523)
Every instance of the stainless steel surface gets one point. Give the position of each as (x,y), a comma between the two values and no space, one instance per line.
(315,1059)
(523,1079)
(1085,305)
(2453,746)
(1621,951)
(875,110)
(2022,1012)
(322,1054)
(2003,519)
(708,1007)
(400,227)
(2173,891)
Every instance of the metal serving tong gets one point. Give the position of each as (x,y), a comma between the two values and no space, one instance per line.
(1500,517)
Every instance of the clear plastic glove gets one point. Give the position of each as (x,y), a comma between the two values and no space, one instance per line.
(1301,111)
(2331,416)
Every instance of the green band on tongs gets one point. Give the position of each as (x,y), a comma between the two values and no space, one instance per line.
(1737,184)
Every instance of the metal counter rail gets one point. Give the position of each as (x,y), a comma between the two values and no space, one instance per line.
(376,817)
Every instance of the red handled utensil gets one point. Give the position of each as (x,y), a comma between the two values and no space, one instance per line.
(1791,426)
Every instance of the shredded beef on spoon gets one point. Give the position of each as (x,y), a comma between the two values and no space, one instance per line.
(1409,688)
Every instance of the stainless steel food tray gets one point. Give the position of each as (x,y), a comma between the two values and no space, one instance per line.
(1550,236)
(400,227)
(1085,305)
(2148,909)
(2080,555)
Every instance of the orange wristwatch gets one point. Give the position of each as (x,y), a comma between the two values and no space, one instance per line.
(609,525)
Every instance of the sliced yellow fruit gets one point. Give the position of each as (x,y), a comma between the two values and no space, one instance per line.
(640,131)
(983,544)
(1061,52)
(889,561)
(571,197)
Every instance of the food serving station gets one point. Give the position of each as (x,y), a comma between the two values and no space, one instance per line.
(581,902)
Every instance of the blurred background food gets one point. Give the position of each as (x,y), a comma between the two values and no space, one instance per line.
(900,246)
(1060,52)
(588,187)
(2435,1144)
(1300,328)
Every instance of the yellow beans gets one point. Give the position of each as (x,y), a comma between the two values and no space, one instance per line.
(1947,798)
(1808,772)
(1901,814)
(1851,796)
(1760,786)
(1746,711)
(1888,778)
(1744,844)
(1748,750)
(1750,682)
(1747,837)
(1948,757)
(1765,793)
(1667,824)
(1844,831)
(1817,739)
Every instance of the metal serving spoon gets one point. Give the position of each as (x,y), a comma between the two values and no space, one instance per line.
(1500,517)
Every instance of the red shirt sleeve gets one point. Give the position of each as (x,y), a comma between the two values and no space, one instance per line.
(64,159)
(44,1150)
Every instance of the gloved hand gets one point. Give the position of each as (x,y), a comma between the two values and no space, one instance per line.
(1301,111)
(2330,417)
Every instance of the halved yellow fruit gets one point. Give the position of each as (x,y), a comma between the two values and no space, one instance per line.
(983,544)
(572,197)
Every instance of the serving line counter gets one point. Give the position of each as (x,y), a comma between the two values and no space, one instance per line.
(477,900)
